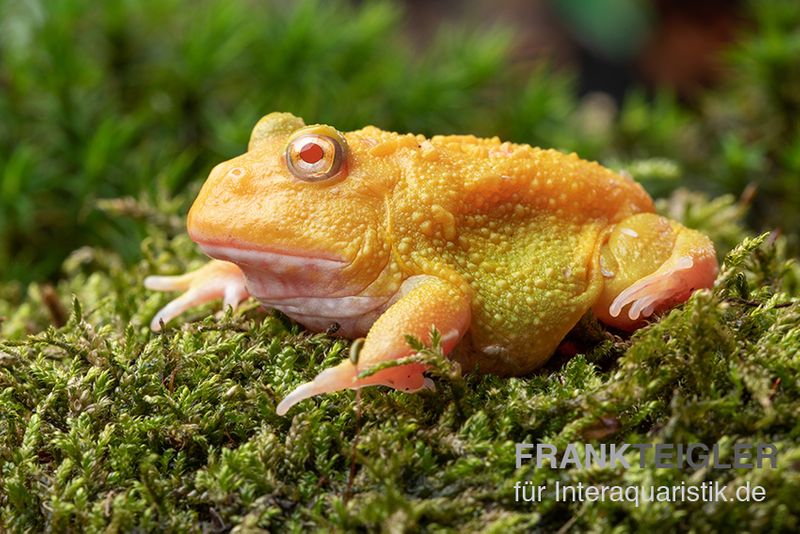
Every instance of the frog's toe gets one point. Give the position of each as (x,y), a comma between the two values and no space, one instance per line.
(190,299)
(337,378)
(168,283)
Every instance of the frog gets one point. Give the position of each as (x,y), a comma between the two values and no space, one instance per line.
(495,249)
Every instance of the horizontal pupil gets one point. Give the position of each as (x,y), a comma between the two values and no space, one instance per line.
(311,153)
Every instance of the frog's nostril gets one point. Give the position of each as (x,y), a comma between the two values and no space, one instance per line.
(237,172)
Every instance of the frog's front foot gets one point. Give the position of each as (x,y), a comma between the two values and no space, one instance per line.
(216,279)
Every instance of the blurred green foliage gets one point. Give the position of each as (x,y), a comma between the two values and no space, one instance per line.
(141,99)
(104,100)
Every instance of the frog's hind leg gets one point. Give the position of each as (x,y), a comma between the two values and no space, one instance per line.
(426,301)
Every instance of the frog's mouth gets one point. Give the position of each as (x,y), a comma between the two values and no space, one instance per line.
(314,289)
(274,273)
(280,260)
(278,273)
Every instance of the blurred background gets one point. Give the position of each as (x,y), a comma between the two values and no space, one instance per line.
(112,113)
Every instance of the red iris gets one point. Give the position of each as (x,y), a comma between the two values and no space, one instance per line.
(311,153)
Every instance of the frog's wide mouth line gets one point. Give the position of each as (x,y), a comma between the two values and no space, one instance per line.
(274,258)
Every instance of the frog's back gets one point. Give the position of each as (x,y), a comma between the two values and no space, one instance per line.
(546,180)
(523,227)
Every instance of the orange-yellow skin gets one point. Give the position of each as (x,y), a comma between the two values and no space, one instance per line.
(502,247)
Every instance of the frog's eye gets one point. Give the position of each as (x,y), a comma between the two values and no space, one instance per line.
(315,156)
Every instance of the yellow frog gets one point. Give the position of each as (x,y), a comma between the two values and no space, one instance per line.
(501,247)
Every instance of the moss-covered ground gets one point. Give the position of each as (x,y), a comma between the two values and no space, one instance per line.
(106,425)
(112,113)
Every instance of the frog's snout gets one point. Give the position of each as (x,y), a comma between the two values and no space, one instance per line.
(213,215)
(651,264)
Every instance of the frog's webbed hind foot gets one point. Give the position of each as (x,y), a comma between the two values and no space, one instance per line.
(216,279)
(651,264)
(671,284)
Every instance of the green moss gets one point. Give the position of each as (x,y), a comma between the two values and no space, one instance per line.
(105,424)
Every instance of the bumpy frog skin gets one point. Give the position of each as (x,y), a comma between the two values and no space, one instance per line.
(502,247)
